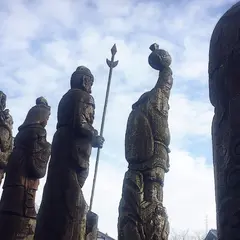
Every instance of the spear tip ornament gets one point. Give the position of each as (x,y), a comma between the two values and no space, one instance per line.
(114,49)
(111,63)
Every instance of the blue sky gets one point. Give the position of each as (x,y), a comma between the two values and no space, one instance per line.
(41,44)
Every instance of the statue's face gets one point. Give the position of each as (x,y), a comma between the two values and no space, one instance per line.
(2,101)
(87,84)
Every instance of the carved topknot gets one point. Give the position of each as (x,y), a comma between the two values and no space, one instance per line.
(41,100)
(154,47)
(159,58)
(83,71)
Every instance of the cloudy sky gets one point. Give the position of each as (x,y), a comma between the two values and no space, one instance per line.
(41,44)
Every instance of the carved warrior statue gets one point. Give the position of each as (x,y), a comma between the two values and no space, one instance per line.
(27,164)
(63,209)
(6,139)
(141,212)
(224,89)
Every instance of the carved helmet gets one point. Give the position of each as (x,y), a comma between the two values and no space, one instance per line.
(76,78)
(39,113)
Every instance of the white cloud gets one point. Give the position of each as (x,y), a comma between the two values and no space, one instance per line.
(189,118)
(43,42)
(189,192)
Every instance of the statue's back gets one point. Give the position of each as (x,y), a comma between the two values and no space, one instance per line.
(139,144)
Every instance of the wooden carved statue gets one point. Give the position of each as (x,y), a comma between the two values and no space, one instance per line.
(27,164)
(141,212)
(6,125)
(63,208)
(224,90)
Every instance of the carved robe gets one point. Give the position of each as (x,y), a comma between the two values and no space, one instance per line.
(63,208)
(27,163)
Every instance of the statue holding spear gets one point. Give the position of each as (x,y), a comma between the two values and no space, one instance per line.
(62,214)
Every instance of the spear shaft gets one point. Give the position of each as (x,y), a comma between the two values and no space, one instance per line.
(111,65)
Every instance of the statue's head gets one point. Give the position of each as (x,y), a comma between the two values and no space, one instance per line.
(39,114)
(3,99)
(83,79)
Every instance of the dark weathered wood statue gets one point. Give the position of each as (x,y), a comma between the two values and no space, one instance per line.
(224,89)
(141,212)
(6,125)
(62,214)
(27,164)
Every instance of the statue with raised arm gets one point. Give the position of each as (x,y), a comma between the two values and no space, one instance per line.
(27,164)
(142,215)
(6,139)
(62,213)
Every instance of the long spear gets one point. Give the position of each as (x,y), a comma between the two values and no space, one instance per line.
(111,64)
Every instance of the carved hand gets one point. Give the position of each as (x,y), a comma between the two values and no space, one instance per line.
(98,141)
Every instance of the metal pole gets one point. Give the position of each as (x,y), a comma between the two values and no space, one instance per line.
(111,64)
